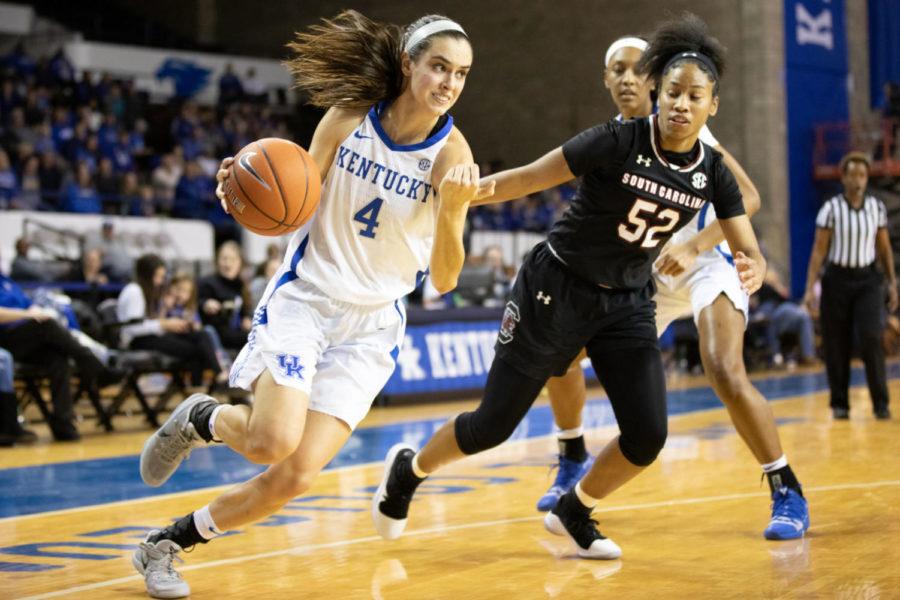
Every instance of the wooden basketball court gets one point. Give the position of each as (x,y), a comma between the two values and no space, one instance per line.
(691,526)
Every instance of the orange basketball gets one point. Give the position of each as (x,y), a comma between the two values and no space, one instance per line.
(273,186)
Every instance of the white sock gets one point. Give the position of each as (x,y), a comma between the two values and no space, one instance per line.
(780,463)
(570,434)
(584,497)
(204,523)
(416,469)
(212,422)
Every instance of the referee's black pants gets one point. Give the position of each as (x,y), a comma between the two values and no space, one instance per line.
(853,297)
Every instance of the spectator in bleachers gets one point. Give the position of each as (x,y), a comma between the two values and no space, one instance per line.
(493,217)
(117,263)
(230,88)
(254,88)
(31,334)
(165,179)
(773,302)
(90,268)
(195,194)
(52,175)
(493,257)
(145,205)
(8,181)
(11,431)
(180,299)
(140,305)
(81,196)
(224,298)
(128,196)
(29,196)
(106,183)
(61,69)
(23,267)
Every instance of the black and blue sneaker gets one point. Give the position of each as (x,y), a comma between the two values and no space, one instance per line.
(569,472)
(790,515)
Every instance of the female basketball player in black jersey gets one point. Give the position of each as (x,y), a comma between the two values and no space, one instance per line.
(590,286)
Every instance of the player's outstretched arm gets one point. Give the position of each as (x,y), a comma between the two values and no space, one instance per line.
(546,172)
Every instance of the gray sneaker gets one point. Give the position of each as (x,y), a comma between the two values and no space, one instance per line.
(154,562)
(172,443)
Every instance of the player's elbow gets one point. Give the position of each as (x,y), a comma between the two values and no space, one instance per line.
(443,284)
(752,202)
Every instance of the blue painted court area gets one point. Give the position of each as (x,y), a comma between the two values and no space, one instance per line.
(29,490)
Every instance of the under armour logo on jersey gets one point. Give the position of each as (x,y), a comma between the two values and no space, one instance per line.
(424,164)
(643,161)
(290,364)
(545,299)
(508,324)
(699,180)
(244,161)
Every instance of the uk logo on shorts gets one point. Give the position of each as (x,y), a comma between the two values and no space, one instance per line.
(290,365)
(508,325)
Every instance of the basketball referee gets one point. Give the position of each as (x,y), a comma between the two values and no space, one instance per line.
(851,231)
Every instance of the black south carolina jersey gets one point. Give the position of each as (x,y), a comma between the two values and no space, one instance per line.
(633,196)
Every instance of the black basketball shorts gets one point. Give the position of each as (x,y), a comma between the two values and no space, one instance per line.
(552,314)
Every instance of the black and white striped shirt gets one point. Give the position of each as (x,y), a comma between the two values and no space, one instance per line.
(853,230)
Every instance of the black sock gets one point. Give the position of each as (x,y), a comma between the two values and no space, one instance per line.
(573,449)
(183,532)
(200,415)
(406,477)
(783,477)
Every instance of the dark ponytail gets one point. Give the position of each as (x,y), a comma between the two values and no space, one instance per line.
(145,268)
(686,34)
(349,61)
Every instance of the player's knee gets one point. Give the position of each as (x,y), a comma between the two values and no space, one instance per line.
(642,448)
(474,434)
(269,448)
(727,374)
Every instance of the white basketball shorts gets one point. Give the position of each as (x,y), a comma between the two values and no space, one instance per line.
(340,354)
(691,292)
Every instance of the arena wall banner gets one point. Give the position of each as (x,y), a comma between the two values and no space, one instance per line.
(57,235)
(816,73)
(163,72)
(446,357)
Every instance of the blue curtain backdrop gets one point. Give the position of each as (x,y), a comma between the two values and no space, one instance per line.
(816,83)
(884,46)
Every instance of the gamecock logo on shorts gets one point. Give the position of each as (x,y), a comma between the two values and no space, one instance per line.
(508,325)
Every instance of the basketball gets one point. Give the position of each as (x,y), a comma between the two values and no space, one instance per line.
(273,186)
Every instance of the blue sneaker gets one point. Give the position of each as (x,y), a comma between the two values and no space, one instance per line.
(569,473)
(790,515)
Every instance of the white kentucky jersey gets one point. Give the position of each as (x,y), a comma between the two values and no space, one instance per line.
(371,238)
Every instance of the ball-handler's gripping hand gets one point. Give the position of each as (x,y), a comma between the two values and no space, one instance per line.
(461,185)
(221,175)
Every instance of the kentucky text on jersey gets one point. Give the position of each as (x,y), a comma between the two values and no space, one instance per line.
(661,191)
(369,170)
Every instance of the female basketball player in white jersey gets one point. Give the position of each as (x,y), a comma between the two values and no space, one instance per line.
(694,276)
(397,181)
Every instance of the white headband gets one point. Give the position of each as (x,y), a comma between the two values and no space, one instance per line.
(625,42)
(430,29)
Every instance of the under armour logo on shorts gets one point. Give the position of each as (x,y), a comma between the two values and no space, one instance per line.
(508,324)
(643,161)
(542,297)
(291,366)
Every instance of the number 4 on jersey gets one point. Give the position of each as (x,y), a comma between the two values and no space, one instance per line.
(368,216)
